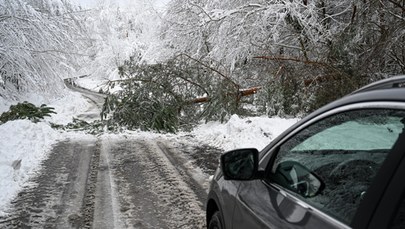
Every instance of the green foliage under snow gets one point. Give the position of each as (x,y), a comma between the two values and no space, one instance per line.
(162,96)
(26,110)
(95,127)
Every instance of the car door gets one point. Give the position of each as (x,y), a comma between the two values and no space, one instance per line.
(320,173)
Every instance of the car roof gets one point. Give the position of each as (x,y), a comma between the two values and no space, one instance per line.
(392,82)
(386,90)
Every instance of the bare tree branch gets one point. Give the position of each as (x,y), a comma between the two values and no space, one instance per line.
(212,69)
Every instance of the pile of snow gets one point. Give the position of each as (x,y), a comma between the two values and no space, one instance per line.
(252,132)
(4,105)
(67,107)
(24,145)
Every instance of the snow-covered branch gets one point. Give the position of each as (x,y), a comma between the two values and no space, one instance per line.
(39,46)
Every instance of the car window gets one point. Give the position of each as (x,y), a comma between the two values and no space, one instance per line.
(331,163)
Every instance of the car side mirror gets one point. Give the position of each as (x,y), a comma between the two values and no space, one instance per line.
(240,164)
(299,179)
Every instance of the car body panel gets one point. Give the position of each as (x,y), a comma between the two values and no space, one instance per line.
(225,192)
(263,205)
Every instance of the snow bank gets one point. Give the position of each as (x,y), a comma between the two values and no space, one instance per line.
(23,145)
(4,105)
(238,132)
(67,107)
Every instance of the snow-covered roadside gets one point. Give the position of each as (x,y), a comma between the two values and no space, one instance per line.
(69,104)
(251,132)
(67,107)
(24,145)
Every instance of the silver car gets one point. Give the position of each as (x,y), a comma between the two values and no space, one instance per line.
(342,166)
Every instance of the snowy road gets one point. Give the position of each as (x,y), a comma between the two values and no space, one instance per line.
(116,181)
(137,182)
(96,99)
(130,179)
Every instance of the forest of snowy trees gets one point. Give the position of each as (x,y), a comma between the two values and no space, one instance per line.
(202,60)
(41,43)
(298,51)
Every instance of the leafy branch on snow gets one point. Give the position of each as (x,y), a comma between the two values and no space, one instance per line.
(177,93)
(28,111)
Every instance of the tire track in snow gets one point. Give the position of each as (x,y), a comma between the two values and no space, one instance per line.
(180,163)
(54,199)
(122,182)
(152,192)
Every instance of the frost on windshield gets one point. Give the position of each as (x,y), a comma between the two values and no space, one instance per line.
(346,151)
(355,135)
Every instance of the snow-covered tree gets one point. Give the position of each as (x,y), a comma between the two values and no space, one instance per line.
(231,31)
(304,47)
(40,43)
(294,53)
(120,34)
